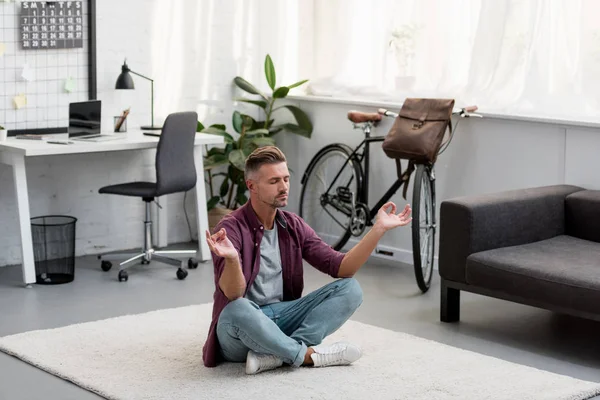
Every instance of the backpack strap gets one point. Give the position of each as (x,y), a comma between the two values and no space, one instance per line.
(404,176)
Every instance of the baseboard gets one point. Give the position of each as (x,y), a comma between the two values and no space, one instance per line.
(392,256)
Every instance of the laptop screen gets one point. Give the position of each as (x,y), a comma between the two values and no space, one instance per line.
(84,118)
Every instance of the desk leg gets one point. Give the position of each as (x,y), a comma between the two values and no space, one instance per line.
(201,210)
(20,177)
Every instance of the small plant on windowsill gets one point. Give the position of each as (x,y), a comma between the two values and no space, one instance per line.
(3,133)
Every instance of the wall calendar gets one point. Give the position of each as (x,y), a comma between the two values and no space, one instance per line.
(51,25)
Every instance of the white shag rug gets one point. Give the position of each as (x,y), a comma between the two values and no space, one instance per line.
(158,355)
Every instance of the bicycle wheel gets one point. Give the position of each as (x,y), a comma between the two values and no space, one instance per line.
(329,213)
(423,226)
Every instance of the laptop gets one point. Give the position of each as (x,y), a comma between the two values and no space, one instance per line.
(84,122)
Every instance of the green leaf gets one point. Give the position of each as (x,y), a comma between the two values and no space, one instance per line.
(241,189)
(247,86)
(215,150)
(237,121)
(298,83)
(281,92)
(224,188)
(256,132)
(275,130)
(301,118)
(219,126)
(294,129)
(241,199)
(214,131)
(270,72)
(261,124)
(263,141)
(236,175)
(213,202)
(262,104)
(199,127)
(215,160)
(247,122)
(238,159)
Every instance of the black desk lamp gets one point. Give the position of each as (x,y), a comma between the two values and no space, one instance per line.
(124,81)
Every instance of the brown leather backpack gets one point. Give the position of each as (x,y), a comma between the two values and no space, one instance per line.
(417,133)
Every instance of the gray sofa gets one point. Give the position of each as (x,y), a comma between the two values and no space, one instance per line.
(539,247)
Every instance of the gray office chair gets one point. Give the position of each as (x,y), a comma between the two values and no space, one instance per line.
(175,172)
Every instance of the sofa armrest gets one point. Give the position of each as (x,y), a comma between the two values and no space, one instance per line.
(477,223)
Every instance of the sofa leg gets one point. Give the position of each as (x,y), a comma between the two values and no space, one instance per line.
(449,303)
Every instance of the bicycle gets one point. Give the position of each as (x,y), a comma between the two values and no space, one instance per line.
(346,207)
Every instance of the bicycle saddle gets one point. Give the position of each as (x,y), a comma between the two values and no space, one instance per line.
(357,117)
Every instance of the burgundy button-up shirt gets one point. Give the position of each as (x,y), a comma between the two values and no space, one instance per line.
(297,241)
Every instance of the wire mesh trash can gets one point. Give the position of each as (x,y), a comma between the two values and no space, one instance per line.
(54,248)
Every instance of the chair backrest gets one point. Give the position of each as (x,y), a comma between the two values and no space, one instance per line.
(175,166)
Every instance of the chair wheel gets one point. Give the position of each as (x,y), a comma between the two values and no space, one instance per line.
(106,266)
(145,262)
(192,263)
(123,276)
(181,274)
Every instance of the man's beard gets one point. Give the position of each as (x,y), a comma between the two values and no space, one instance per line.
(276,203)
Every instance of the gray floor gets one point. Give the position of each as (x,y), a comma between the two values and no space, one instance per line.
(512,332)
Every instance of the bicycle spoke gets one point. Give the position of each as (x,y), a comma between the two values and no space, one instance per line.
(321,208)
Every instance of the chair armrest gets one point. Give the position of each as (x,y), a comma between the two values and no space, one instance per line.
(477,223)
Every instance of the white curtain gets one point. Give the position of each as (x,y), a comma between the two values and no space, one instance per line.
(521,57)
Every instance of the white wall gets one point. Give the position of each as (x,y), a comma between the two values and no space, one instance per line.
(486,155)
(192,50)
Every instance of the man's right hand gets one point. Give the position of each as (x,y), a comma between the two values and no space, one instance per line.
(220,244)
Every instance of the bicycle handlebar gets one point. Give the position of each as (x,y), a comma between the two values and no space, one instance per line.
(464,112)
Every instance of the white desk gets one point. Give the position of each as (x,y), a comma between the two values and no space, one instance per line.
(14,151)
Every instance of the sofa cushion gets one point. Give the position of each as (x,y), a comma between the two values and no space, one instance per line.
(582,215)
(564,271)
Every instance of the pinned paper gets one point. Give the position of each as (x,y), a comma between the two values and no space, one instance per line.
(20,101)
(27,73)
(2,49)
(69,85)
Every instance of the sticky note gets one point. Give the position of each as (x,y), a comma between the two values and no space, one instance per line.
(2,49)
(20,101)
(27,73)
(69,85)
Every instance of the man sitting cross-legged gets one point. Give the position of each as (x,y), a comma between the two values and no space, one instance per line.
(259,314)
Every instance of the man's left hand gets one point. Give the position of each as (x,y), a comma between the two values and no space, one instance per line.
(390,220)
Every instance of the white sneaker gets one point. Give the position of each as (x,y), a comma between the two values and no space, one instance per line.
(340,353)
(256,362)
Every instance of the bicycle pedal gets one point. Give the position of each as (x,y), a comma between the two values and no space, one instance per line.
(344,194)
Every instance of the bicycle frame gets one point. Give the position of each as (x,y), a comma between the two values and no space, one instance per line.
(363,158)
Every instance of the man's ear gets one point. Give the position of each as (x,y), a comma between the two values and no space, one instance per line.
(251,185)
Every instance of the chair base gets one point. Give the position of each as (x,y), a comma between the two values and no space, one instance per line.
(148,253)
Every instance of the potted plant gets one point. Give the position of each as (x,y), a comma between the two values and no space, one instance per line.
(225,166)
(3,133)
(403,43)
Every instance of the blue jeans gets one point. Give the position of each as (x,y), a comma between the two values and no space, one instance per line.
(288,328)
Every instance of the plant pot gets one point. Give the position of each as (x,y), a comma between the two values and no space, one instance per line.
(3,134)
(215,215)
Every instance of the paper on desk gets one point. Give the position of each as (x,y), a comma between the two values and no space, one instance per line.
(20,101)
(2,49)
(27,73)
(69,85)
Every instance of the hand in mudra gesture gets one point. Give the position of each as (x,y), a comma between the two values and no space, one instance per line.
(390,220)
(220,244)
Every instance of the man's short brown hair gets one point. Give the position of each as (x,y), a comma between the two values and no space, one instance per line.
(261,156)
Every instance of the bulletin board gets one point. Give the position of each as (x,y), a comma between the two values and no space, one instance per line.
(47,60)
